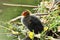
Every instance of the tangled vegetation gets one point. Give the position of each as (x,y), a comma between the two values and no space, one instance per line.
(51,22)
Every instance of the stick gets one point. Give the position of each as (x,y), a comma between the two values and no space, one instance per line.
(6,4)
(40,14)
(19,17)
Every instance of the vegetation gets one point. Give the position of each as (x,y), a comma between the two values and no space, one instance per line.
(17,31)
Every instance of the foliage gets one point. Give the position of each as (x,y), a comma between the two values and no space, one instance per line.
(17,31)
(13,30)
(52,20)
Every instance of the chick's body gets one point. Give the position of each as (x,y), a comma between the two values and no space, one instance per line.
(33,24)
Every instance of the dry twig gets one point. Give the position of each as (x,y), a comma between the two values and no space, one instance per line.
(6,4)
(19,17)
